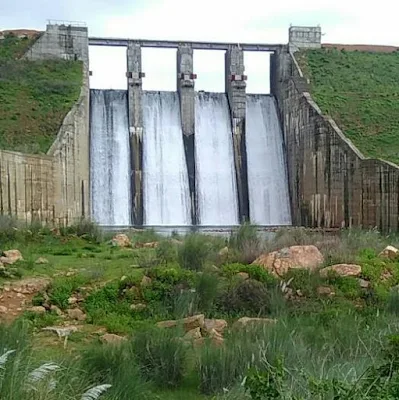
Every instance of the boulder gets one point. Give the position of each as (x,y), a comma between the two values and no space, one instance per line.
(216,338)
(41,260)
(194,334)
(3,310)
(111,338)
(218,325)
(76,314)
(390,252)
(72,300)
(280,262)
(37,309)
(121,240)
(245,322)
(11,257)
(342,270)
(325,291)
(138,307)
(363,283)
(189,323)
(386,275)
(56,310)
(243,276)
(146,281)
(150,245)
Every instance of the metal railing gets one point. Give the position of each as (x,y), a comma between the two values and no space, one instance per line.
(78,24)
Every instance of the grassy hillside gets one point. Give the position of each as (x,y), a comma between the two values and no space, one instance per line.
(360,91)
(34,97)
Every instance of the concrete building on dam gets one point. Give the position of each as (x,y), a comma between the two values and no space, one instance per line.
(329,183)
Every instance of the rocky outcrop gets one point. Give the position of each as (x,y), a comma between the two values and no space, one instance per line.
(218,325)
(342,270)
(280,262)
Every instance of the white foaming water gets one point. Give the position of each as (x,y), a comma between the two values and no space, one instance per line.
(165,179)
(109,157)
(267,176)
(215,172)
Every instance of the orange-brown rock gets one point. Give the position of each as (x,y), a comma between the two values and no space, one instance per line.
(11,257)
(390,252)
(188,324)
(111,338)
(121,240)
(325,291)
(280,262)
(342,270)
(219,325)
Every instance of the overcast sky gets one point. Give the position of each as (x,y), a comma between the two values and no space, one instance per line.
(342,21)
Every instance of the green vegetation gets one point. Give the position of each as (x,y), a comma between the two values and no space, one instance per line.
(360,91)
(35,96)
(336,343)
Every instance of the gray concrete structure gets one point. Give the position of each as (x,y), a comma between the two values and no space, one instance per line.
(65,41)
(135,90)
(304,37)
(185,88)
(235,90)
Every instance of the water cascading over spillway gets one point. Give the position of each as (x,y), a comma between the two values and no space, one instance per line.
(267,176)
(165,178)
(215,173)
(109,157)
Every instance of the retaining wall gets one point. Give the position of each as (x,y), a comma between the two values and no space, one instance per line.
(331,183)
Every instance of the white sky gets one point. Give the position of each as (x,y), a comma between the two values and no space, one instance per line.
(342,21)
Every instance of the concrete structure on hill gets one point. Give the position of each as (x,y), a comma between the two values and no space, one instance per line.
(332,185)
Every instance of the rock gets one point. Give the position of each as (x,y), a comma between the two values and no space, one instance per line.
(386,275)
(76,314)
(70,273)
(193,334)
(11,257)
(146,281)
(363,283)
(30,285)
(390,252)
(167,324)
(41,260)
(37,309)
(189,323)
(20,296)
(280,262)
(325,291)
(138,307)
(247,322)
(218,325)
(342,270)
(56,310)
(61,331)
(3,310)
(242,275)
(216,338)
(121,240)
(111,338)
(223,253)
(72,300)
(151,245)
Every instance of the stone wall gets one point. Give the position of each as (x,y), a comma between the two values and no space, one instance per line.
(53,188)
(331,183)
(26,186)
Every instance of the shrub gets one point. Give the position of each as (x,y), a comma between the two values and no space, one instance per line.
(246,243)
(207,291)
(254,271)
(166,252)
(193,252)
(161,356)
(249,297)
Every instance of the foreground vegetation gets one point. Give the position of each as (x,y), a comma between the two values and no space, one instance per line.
(360,91)
(336,344)
(35,96)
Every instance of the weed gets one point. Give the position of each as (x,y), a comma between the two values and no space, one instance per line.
(246,243)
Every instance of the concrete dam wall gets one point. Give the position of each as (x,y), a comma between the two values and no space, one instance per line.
(188,158)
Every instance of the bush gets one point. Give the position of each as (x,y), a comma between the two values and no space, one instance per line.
(249,297)
(193,252)
(166,252)
(161,356)
(246,243)
(87,229)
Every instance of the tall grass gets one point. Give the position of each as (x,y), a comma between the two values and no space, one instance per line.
(246,243)
(193,253)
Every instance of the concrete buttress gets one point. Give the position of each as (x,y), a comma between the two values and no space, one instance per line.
(185,88)
(235,90)
(134,76)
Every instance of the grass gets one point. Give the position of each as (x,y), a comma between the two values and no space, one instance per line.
(317,338)
(35,97)
(360,91)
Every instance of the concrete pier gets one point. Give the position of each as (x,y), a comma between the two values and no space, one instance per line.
(185,88)
(235,90)
(135,89)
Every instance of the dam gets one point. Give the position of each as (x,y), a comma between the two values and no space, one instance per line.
(192,159)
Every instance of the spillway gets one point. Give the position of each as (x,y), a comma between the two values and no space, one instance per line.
(166,192)
(267,175)
(215,174)
(109,157)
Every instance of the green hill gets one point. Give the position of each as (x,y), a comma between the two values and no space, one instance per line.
(360,90)
(35,96)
